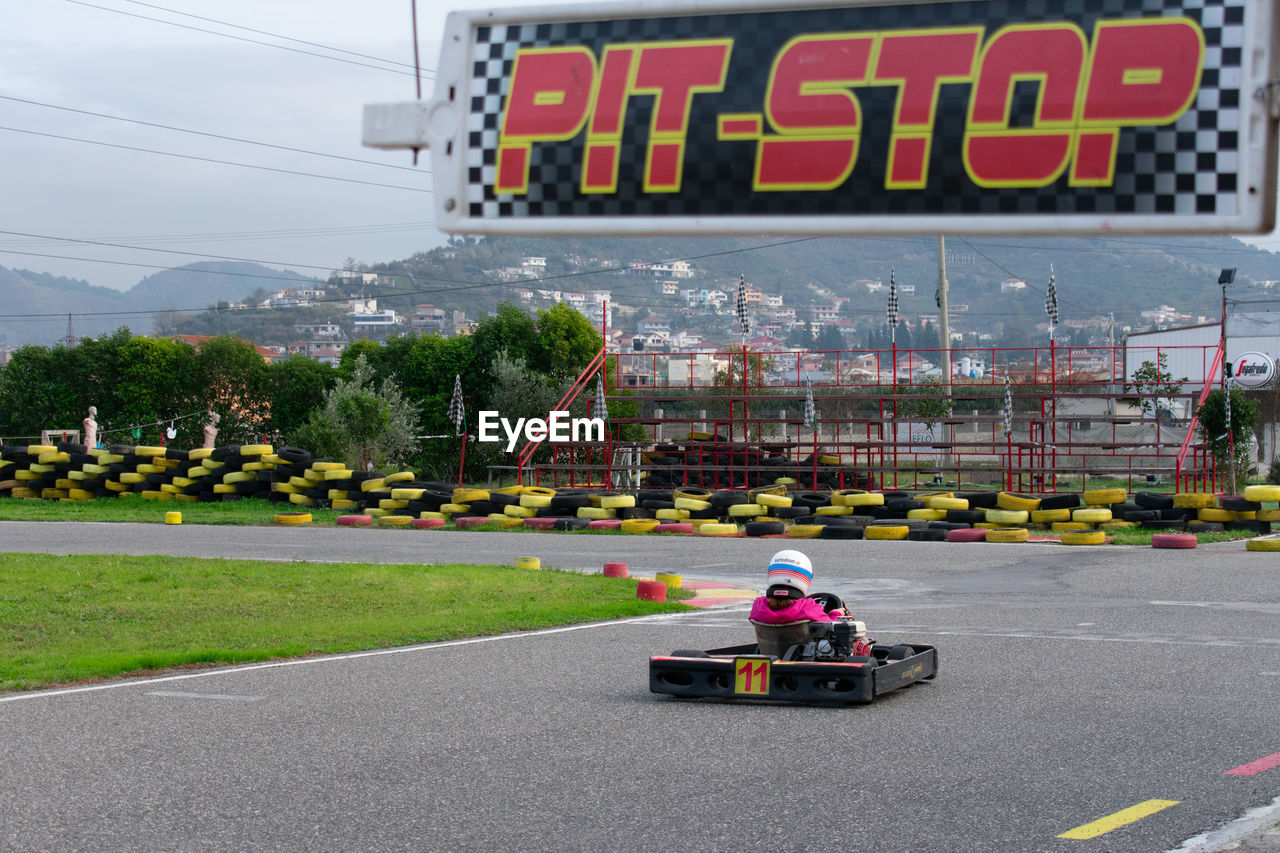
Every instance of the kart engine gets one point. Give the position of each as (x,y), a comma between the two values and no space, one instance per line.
(832,641)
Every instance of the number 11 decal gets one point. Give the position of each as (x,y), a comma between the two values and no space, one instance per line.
(751,676)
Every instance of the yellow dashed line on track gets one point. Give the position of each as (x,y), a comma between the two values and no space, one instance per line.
(1103,825)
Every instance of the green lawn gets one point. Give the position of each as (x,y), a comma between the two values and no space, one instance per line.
(66,619)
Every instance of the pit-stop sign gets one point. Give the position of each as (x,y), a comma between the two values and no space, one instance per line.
(943,117)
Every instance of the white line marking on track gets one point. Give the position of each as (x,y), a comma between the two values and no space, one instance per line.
(424,647)
(226,697)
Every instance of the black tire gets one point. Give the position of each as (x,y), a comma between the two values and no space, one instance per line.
(499,499)
(764,528)
(900,652)
(840,531)
(944,526)
(982,500)
(571,523)
(1141,515)
(905,505)
(813,500)
(1058,501)
(1149,500)
(788,511)
(928,534)
(1205,527)
(295,456)
(1163,524)
(727,498)
(1239,504)
(965,516)
(653,504)
(1248,525)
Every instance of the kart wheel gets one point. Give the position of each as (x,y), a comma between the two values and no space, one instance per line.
(900,652)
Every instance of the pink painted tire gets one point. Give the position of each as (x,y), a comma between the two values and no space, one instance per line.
(605,524)
(540,523)
(615,570)
(1173,540)
(466,522)
(967,534)
(683,527)
(426,523)
(355,520)
(651,590)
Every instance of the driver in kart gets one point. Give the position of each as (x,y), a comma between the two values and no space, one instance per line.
(786,598)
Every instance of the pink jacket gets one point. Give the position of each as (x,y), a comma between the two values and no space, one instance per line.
(802,608)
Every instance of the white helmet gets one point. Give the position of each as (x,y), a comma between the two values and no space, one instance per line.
(790,575)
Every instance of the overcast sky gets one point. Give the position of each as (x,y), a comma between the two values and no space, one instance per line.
(153,62)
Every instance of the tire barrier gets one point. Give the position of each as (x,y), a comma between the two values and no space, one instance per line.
(293,518)
(651,590)
(1262,544)
(1173,540)
(967,534)
(1083,537)
(672,581)
(615,570)
(354,520)
(528,563)
(887,532)
(678,527)
(1007,534)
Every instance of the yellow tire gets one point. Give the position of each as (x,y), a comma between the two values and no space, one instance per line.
(256,449)
(300,500)
(506,521)
(944,503)
(638,525)
(1210,513)
(148,450)
(327,466)
(672,581)
(455,509)
(765,499)
(672,514)
(392,503)
(338,474)
(1007,517)
(79,494)
(532,490)
(1091,514)
(466,496)
(394,520)
(614,501)
(746,511)
(132,477)
(1083,537)
(775,490)
(804,531)
(596,512)
(1007,534)
(833,510)
(1104,497)
(535,501)
(173,518)
(51,456)
(528,563)
(718,530)
(886,531)
(1194,500)
(1268,515)
(1262,544)
(514,511)
(927,514)
(689,504)
(343,503)
(1007,500)
(37,449)
(407,494)
(229,477)
(371,484)
(1117,525)
(429,514)
(1262,492)
(154,495)
(785,481)
(292,518)
(1048,516)
(865,499)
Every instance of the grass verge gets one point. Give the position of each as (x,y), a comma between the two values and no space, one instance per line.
(68,619)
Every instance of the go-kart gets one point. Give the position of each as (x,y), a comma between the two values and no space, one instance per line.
(797,662)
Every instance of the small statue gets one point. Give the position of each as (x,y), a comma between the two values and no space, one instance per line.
(91,428)
(211,429)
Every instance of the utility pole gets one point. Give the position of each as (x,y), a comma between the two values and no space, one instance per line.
(944,325)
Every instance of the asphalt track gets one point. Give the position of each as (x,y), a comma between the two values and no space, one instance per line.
(1133,687)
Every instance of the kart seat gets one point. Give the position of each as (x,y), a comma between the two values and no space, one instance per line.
(775,639)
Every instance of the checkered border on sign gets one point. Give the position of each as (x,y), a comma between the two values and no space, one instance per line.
(1190,167)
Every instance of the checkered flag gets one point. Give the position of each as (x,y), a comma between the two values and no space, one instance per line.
(892,313)
(810,410)
(457,411)
(1051,299)
(601,407)
(744,322)
(1006,416)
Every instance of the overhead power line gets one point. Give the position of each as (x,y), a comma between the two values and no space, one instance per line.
(240,38)
(214,135)
(212,159)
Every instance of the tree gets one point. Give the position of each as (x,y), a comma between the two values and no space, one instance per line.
(1228,443)
(230,378)
(567,342)
(298,385)
(1155,386)
(361,425)
(829,340)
